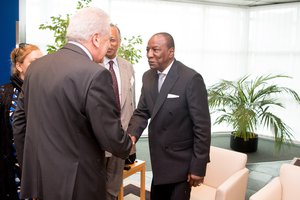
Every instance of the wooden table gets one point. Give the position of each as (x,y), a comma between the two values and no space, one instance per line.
(137,166)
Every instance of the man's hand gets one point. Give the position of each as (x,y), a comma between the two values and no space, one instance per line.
(133,139)
(195,180)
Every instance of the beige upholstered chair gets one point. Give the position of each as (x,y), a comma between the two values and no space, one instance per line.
(284,187)
(226,177)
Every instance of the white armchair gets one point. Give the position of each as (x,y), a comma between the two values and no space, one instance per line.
(284,187)
(226,177)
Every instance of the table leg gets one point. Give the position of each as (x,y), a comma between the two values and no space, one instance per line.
(143,189)
(121,193)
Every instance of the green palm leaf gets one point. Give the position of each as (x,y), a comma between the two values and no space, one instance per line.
(247,103)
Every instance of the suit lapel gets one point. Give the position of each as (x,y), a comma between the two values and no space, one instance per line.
(154,87)
(125,78)
(165,89)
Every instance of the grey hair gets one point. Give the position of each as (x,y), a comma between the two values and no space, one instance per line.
(86,22)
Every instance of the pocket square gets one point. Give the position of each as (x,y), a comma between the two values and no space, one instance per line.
(172,96)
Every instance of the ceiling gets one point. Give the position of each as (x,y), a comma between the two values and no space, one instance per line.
(244,3)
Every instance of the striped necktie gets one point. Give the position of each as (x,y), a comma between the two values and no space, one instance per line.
(115,83)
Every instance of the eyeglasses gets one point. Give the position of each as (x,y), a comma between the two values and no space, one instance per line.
(21,46)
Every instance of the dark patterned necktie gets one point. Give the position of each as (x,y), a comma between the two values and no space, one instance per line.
(115,83)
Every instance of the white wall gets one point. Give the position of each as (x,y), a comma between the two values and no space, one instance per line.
(218,42)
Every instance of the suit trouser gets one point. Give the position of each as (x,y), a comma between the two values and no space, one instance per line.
(114,176)
(173,191)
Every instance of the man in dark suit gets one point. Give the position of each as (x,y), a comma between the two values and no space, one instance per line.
(67,116)
(180,128)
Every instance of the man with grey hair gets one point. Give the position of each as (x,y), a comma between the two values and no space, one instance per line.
(67,117)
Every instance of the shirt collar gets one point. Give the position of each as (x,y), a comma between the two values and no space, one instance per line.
(166,71)
(83,48)
(106,60)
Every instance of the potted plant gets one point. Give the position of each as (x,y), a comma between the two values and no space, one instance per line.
(246,104)
(128,50)
(59,27)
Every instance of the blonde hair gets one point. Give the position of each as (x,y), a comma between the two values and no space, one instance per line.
(19,54)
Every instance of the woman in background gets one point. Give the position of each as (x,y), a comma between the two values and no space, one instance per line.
(10,172)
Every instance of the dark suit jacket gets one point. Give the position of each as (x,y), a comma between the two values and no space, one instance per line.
(65,119)
(179,130)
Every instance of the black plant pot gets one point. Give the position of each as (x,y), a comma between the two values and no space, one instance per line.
(239,144)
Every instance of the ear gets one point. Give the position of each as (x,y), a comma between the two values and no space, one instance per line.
(171,52)
(96,40)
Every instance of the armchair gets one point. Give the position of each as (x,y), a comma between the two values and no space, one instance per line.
(284,187)
(226,176)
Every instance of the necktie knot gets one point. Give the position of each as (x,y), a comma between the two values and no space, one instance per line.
(111,64)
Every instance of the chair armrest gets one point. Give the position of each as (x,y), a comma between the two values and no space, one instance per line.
(234,188)
(272,190)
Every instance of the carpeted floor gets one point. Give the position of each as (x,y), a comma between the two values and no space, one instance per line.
(266,151)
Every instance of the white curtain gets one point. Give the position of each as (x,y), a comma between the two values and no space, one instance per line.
(218,42)
(274,48)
